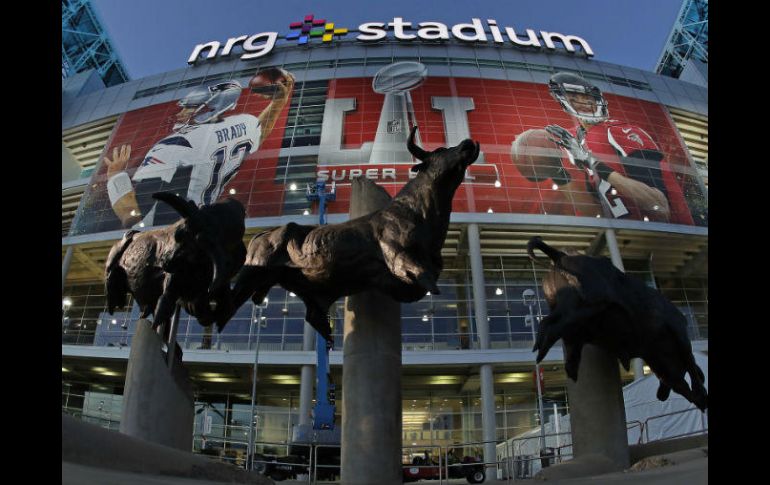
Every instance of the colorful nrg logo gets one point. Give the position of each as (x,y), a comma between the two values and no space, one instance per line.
(308,29)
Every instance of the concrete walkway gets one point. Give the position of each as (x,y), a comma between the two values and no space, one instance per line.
(693,472)
(73,474)
(95,456)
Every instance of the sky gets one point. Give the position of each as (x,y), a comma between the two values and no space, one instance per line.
(155,36)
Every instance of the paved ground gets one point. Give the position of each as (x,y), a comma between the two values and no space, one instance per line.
(94,456)
(73,474)
(693,472)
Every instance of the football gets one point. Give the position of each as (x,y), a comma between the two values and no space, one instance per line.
(399,77)
(536,156)
(265,81)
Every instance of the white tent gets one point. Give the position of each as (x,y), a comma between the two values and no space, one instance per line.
(643,407)
(667,419)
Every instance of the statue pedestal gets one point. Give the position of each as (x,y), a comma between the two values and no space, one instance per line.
(158,404)
(597,418)
(371,373)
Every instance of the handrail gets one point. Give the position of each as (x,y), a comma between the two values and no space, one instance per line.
(497,463)
(287,445)
(317,465)
(633,423)
(704,428)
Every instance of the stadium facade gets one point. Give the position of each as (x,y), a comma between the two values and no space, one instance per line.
(338,123)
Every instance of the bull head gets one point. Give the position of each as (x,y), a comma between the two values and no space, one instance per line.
(452,161)
(191,239)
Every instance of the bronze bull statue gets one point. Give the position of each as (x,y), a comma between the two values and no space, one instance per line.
(396,250)
(591,301)
(190,262)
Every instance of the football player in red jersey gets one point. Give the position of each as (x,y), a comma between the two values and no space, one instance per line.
(622,163)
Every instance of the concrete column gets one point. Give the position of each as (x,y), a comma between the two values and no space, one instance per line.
(597,411)
(307,376)
(371,373)
(638,366)
(65,266)
(485,371)
(158,403)
(479,292)
(488,418)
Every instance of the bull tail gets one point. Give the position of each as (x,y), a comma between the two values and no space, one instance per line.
(537,243)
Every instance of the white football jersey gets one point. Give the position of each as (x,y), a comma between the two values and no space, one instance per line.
(213,150)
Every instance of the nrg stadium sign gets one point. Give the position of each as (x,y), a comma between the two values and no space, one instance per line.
(261,44)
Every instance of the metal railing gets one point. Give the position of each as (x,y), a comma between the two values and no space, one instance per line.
(634,423)
(703,430)
(281,466)
(487,465)
(519,465)
(330,466)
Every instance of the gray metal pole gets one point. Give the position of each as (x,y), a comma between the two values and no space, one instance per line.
(65,266)
(485,370)
(540,412)
(252,432)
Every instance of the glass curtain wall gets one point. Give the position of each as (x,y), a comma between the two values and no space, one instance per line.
(437,322)
(221,423)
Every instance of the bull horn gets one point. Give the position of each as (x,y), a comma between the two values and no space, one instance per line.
(416,151)
(186,208)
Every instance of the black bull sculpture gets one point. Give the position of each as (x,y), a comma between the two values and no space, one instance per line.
(591,301)
(396,250)
(190,262)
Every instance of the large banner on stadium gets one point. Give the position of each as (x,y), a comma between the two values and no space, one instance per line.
(562,149)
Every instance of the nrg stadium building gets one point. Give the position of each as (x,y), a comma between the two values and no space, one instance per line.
(346,101)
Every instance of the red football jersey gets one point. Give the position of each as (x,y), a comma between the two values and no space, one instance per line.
(612,140)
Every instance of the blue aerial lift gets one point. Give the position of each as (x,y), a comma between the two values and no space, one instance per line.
(325,463)
(323,411)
